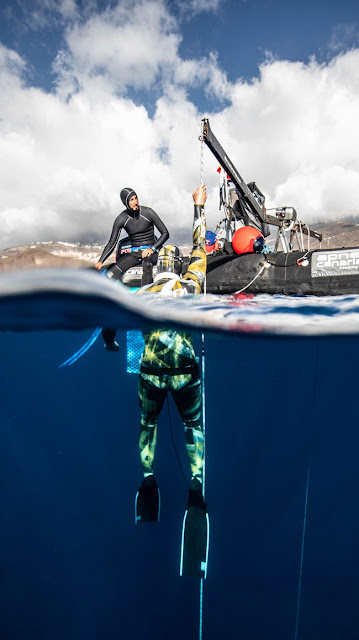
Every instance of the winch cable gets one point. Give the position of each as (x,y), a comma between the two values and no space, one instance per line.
(305,512)
(201,178)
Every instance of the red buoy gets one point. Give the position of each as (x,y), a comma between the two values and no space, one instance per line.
(243,239)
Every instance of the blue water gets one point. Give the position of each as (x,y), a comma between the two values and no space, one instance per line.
(73,563)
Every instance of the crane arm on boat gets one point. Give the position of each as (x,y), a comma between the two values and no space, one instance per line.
(251,200)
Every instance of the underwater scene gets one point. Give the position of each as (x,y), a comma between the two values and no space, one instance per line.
(280,411)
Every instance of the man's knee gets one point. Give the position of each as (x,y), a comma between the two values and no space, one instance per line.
(114,271)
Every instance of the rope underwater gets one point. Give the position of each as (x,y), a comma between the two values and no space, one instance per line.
(306,503)
(204,471)
(200,631)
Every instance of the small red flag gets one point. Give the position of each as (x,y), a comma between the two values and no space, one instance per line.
(219,171)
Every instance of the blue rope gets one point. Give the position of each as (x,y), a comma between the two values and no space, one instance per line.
(306,503)
(201,609)
(203,476)
(302,551)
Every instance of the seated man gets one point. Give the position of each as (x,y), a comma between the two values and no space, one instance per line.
(169,363)
(139,223)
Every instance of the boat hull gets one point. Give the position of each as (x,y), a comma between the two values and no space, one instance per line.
(322,273)
(331,272)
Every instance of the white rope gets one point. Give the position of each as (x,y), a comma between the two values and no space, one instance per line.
(301,237)
(201,160)
(251,282)
(201,172)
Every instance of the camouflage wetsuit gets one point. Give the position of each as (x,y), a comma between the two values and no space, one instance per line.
(169,362)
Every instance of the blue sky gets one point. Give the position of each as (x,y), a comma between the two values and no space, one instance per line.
(241,32)
(99,95)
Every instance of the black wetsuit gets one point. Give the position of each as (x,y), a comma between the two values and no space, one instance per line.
(139,226)
(140,229)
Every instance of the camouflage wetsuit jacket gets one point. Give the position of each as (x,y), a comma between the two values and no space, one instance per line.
(172,349)
(169,362)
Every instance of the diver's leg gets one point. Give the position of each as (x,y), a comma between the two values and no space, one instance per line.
(147,271)
(188,399)
(151,401)
(148,496)
(125,262)
(147,268)
(116,271)
(109,336)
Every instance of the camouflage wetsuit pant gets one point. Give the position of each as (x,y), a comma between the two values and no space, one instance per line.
(186,392)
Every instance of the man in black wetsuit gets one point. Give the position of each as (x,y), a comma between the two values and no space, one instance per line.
(139,223)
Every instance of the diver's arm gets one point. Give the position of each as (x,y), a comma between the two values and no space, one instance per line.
(198,260)
(161,228)
(116,230)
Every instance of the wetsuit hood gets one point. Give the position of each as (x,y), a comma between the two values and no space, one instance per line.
(126,194)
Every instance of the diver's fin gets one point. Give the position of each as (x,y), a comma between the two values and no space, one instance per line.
(195,536)
(147,507)
(83,349)
(112,346)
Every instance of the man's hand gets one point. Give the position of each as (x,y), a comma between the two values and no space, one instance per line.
(98,266)
(146,253)
(200,195)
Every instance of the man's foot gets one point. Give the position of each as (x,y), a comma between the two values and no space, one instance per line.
(112,346)
(148,501)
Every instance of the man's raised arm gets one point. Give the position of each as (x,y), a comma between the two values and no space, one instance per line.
(198,259)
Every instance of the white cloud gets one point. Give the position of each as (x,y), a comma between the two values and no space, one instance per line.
(67,8)
(12,65)
(128,43)
(291,127)
(344,36)
(132,45)
(193,7)
(65,156)
(37,15)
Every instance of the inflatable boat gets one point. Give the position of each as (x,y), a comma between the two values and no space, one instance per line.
(239,258)
(320,273)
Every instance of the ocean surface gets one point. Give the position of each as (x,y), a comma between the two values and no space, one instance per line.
(281,419)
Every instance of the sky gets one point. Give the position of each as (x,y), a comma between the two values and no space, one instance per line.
(96,96)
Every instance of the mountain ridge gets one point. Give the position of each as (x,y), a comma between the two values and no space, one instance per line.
(336,235)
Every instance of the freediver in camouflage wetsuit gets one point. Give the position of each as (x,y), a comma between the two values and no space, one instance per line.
(168,361)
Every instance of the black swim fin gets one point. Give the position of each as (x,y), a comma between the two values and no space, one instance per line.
(147,507)
(195,534)
(112,346)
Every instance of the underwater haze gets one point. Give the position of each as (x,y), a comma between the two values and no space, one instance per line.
(282,485)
